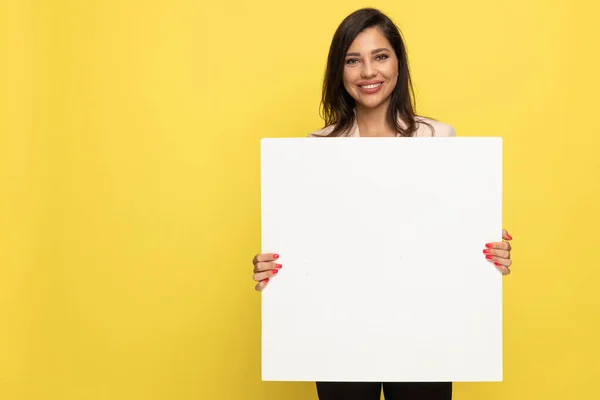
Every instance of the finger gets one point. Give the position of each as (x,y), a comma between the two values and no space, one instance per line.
(497,253)
(265,266)
(264,257)
(506,262)
(261,285)
(504,270)
(499,245)
(505,235)
(264,275)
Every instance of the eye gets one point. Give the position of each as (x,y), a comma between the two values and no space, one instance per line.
(382,57)
(351,61)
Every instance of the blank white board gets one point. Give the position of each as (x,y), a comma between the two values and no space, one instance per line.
(381,242)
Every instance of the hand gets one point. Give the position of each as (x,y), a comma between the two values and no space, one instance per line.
(499,253)
(265,268)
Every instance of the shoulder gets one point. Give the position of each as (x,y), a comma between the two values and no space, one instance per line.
(440,129)
(321,132)
(424,129)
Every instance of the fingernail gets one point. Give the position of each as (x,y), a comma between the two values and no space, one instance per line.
(276,256)
(488,245)
(278,265)
(508,236)
(496,264)
(486,251)
(489,257)
(275,271)
(266,280)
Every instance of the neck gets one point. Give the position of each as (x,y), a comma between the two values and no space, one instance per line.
(372,122)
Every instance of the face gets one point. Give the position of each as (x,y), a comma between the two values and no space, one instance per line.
(370,69)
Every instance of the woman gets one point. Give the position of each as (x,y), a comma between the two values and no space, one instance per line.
(367,91)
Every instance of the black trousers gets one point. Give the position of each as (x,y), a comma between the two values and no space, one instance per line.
(391,390)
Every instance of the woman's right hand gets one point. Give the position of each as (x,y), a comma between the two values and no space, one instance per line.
(265,268)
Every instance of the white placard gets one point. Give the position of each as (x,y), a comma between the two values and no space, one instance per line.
(381,242)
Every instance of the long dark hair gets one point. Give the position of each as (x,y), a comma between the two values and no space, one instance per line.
(337,106)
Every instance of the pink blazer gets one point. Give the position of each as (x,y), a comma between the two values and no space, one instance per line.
(440,129)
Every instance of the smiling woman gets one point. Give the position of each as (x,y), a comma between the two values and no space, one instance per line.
(367,92)
(367,86)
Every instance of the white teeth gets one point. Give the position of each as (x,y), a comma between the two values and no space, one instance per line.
(372,86)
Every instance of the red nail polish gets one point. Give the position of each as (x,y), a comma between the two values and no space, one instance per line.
(508,236)
(278,265)
(275,256)
(496,264)
(266,280)
(275,271)
(489,257)
(488,245)
(486,251)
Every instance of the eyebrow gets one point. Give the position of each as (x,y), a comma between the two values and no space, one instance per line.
(372,52)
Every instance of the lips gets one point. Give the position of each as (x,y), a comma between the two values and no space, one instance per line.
(370,87)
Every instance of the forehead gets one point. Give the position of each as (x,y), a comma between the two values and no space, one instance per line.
(370,38)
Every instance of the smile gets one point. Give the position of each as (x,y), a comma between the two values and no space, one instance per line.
(373,86)
(370,88)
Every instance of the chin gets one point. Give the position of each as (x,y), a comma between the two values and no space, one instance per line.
(370,104)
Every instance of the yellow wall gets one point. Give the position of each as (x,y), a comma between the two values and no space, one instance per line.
(129,193)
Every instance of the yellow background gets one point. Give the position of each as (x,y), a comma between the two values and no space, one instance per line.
(129,192)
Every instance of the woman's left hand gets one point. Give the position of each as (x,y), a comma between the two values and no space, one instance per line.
(498,253)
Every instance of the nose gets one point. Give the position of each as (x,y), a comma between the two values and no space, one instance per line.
(367,70)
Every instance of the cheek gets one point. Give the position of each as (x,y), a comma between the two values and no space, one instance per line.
(394,80)
(392,72)
(347,79)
